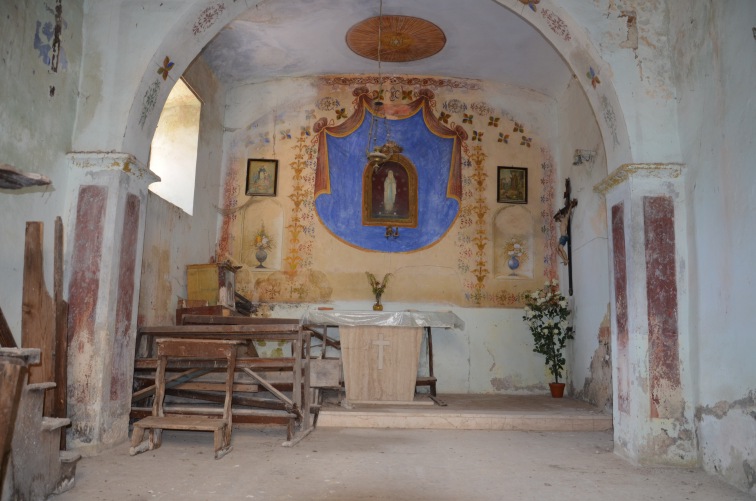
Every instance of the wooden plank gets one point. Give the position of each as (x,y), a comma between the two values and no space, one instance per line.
(6,336)
(197,348)
(323,336)
(170,381)
(12,372)
(202,310)
(226,320)
(298,438)
(255,329)
(38,312)
(194,423)
(240,416)
(269,387)
(60,393)
(147,336)
(14,179)
(264,403)
(208,386)
(260,364)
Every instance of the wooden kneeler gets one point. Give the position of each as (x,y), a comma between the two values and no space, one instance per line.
(200,349)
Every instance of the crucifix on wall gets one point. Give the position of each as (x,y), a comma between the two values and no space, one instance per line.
(564,218)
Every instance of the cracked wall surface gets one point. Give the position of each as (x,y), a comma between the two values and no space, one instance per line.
(597,388)
(721,428)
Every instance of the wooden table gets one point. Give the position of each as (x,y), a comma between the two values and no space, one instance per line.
(380,351)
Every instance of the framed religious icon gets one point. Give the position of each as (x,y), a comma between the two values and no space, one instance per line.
(512,185)
(262,177)
(389,194)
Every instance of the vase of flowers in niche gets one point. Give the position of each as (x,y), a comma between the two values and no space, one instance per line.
(263,244)
(514,250)
(378,288)
(546,314)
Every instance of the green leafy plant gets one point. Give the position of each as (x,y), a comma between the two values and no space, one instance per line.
(546,314)
(378,287)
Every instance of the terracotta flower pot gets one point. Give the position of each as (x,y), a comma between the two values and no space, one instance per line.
(557,390)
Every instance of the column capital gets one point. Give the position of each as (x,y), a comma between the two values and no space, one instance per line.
(630,172)
(93,162)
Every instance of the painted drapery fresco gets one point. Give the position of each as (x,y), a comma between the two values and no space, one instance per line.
(453,134)
(433,150)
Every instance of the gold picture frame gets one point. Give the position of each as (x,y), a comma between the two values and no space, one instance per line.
(397,208)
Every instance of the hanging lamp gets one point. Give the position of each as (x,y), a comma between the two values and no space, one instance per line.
(377,155)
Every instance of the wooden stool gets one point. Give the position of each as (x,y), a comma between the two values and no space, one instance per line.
(200,349)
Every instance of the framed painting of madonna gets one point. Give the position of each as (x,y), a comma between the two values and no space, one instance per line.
(389,194)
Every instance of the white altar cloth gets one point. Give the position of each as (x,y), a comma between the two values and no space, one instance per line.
(380,349)
(354,318)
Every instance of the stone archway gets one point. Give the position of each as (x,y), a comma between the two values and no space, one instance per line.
(201,23)
(104,422)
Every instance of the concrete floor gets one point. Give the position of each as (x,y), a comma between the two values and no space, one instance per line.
(352,464)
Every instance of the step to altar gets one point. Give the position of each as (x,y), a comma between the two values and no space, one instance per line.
(470,412)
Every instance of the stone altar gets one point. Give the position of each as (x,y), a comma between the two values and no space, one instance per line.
(380,350)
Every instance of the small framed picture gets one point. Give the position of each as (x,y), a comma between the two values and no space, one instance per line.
(512,185)
(262,177)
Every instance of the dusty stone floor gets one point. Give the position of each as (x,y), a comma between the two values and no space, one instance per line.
(388,464)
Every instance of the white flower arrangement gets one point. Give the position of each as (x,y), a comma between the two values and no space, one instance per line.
(515,248)
(546,314)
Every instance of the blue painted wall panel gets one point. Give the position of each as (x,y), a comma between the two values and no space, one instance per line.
(341,210)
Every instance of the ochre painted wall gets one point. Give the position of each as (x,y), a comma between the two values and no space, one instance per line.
(466,266)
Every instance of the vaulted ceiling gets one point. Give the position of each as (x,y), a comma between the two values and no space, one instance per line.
(295,38)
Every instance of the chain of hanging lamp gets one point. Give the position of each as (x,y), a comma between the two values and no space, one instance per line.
(376,156)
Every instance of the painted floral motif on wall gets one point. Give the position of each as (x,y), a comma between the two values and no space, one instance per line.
(593,77)
(148,101)
(207,18)
(556,24)
(166,67)
(316,267)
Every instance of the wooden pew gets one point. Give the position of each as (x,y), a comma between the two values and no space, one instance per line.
(254,374)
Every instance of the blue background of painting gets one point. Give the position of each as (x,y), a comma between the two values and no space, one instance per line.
(341,210)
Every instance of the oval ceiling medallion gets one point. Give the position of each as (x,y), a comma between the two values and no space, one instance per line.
(403,39)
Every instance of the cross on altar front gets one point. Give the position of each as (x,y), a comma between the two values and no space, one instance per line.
(380,343)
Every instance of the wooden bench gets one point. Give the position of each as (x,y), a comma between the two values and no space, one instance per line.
(275,375)
(188,349)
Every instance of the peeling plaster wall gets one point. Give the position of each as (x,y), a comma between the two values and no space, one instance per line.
(174,239)
(590,350)
(632,39)
(120,42)
(39,73)
(715,52)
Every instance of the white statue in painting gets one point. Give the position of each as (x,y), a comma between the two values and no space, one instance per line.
(389,192)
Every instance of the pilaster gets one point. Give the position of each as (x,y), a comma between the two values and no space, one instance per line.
(105,232)
(653,405)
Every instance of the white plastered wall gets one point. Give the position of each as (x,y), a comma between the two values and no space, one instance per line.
(714,69)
